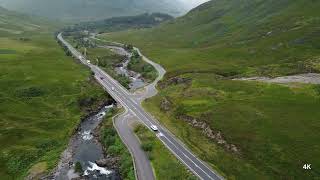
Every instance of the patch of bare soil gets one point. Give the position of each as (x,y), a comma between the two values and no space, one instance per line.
(309,78)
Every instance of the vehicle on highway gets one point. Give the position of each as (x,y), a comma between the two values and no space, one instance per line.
(88,61)
(154,127)
(102,78)
(80,57)
(112,88)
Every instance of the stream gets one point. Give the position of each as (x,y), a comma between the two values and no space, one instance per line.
(85,148)
(135,78)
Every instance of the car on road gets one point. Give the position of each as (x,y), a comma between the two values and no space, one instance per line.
(102,78)
(112,88)
(88,61)
(154,127)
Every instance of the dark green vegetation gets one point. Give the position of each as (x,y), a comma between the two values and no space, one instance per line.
(84,10)
(114,147)
(121,23)
(137,64)
(108,60)
(275,127)
(269,38)
(43,96)
(78,168)
(100,56)
(165,165)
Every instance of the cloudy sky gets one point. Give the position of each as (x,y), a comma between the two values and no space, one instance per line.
(193,3)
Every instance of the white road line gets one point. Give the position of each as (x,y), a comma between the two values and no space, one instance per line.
(164,136)
(130,104)
(177,147)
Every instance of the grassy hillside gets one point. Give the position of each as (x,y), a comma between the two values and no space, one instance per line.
(43,95)
(84,10)
(237,37)
(121,23)
(274,127)
(13,24)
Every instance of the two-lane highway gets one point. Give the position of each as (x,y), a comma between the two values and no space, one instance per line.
(128,101)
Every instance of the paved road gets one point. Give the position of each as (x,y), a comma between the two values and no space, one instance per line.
(124,123)
(133,106)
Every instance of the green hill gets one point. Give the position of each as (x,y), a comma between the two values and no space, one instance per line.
(120,23)
(15,24)
(41,95)
(252,35)
(84,10)
(275,127)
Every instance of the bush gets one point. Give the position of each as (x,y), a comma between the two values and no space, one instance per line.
(317,89)
(30,92)
(115,147)
(128,47)
(147,146)
(78,168)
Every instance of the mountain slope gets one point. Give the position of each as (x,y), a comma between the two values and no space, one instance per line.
(12,23)
(274,127)
(121,23)
(39,107)
(241,32)
(85,10)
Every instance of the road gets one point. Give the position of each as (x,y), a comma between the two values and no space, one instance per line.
(132,105)
(124,125)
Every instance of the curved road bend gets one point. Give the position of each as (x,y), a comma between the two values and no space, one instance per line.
(131,104)
(124,123)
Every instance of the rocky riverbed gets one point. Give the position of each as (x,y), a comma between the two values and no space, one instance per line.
(85,148)
(135,78)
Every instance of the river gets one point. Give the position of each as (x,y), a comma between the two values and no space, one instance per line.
(85,148)
(136,80)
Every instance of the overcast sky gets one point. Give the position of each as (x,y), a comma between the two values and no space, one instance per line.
(193,3)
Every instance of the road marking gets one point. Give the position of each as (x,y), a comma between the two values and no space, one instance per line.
(160,134)
(146,118)
(130,102)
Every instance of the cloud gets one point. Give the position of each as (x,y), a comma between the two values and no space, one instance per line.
(193,3)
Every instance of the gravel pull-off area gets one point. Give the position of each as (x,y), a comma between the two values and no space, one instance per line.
(309,78)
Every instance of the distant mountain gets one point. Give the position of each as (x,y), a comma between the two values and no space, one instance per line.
(86,10)
(121,23)
(274,126)
(272,33)
(15,24)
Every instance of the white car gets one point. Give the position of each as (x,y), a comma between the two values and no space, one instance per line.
(154,127)
(112,88)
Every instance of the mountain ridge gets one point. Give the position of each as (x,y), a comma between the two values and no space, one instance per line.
(83,10)
(218,41)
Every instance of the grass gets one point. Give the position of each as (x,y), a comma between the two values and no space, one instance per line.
(264,121)
(274,126)
(108,60)
(147,71)
(104,58)
(114,147)
(165,165)
(229,38)
(40,94)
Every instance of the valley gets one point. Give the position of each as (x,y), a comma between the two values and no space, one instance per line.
(217,42)
(44,95)
(150,90)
